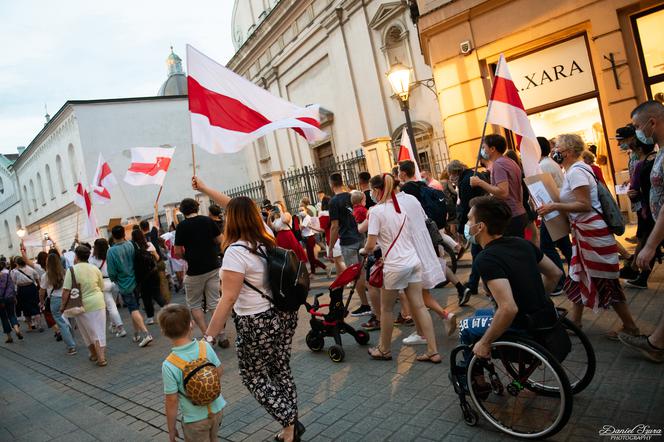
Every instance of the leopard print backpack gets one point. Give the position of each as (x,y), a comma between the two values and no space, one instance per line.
(201,381)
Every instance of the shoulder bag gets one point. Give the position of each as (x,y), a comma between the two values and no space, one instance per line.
(376,275)
(74,305)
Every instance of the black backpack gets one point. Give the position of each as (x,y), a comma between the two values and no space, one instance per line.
(434,204)
(144,263)
(288,277)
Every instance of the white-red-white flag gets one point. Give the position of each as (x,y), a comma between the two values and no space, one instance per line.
(103,181)
(506,110)
(228,111)
(149,165)
(406,152)
(82,200)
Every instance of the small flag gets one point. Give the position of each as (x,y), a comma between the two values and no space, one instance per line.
(149,165)
(406,152)
(102,183)
(506,110)
(82,200)
(228,111)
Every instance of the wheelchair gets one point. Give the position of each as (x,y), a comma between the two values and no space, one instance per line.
(523,390)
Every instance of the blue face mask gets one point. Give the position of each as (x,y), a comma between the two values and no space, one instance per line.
(642,137)
(466,232)
(483,154)
(624,146)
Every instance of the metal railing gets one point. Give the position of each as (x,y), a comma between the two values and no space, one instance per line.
(255,191)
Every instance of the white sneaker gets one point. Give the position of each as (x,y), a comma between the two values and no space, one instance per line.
(149,321)
(146,340)
(121,333)
(328,270)
(414,339)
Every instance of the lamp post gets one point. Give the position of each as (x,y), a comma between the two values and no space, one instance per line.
(21,232)
(399,78)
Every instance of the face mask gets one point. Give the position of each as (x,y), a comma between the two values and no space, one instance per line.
(483,154)
(373,198)
(303,214)
(634,156)
(624,146)
(642,137)
(557,157)
(466,232)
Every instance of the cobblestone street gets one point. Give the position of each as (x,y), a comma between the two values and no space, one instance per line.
(47,395)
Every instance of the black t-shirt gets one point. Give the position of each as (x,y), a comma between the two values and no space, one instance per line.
(197,236)
(413,188)
(369,202)
(516,259)
(342,210)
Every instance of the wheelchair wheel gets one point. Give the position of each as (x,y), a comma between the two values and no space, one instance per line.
(314,341)
(501,389)
(580,363)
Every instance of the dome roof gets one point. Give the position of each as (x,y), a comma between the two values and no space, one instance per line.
(176,83)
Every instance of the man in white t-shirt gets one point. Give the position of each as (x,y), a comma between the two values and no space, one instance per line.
(547,245)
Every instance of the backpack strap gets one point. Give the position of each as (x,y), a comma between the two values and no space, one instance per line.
(202,350)
(177,361)
(262,254)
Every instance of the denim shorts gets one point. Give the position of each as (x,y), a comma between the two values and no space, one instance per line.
(130,300)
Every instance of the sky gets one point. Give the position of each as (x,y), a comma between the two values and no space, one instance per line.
(54,51)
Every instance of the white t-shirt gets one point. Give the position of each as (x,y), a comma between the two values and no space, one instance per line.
(49,287)
(238,259)
(98,263)
(310,226)
(385,222)
(24,276)
(575,177)
(549,166)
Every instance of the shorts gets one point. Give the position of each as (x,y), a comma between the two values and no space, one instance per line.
(351,253)
(130,300)
(203,430)
(398,279)
(336,250)
(202,291)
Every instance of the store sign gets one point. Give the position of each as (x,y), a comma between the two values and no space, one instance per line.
(553,74)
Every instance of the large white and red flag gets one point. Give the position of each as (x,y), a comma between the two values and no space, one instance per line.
(406,152)
(506,110)
(228,111)
(82,200)
(149,165)
(103,181)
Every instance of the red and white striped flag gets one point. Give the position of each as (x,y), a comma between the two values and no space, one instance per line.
(102,183)
(228,111)
(82,200)
(506,110)
(406,152)
(149,165)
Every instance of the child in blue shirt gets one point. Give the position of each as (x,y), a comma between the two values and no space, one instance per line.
(199,423)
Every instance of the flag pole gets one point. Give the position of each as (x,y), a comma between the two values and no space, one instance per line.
(193,159)
(156,203)
(486,119)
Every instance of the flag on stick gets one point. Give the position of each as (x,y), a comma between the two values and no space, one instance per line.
(406,152)
(228,111)
(149,165)
(82,200)
(506,110)
(102,183)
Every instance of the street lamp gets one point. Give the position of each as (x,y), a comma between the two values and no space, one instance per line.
(21,233)
(399,78)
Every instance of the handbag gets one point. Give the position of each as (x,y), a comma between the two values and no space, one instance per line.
(376,275)
(74,305)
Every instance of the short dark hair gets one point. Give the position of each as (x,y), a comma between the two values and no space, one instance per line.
(174,320)
(496,140)
(118,232)
(325,203)
(214,210)
(493,212)
(651,108)
(407,167)
(336,180)
(545,146)
(188,206)
(144,225)
(364,177)
(82,253)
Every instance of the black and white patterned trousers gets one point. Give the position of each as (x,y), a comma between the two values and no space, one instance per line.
(263,350)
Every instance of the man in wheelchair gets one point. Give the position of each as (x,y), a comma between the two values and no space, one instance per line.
(518,277)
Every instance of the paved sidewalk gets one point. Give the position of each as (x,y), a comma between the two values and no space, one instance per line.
(46,395)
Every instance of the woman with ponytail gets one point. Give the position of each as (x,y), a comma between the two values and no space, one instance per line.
(390,230)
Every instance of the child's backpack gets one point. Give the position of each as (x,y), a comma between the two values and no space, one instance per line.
(144,263)
(200,378)
(288,277)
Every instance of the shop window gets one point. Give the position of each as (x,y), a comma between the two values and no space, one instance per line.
(649,32)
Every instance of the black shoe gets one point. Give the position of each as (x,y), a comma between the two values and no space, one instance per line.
(464,297)
(363,310)
(638,283)
(627,272)
(224,343)
(58,337)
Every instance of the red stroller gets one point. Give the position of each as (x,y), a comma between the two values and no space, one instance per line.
(332,323)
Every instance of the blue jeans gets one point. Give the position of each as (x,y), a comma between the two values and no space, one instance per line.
(472,329)
(8,315)
(474,278)
(548,247)
(65,328)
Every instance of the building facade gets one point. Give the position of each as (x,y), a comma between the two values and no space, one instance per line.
(581,66)
(335,53)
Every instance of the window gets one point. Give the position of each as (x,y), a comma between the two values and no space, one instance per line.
(8,234)
(72,163)
(40,185)
(49,182)
(394,46)
(33,197)
(27,198)
(61,179)
(649,34)
(19,225)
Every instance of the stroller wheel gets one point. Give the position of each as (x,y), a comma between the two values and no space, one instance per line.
(362,337)
(314,341)
(336,353)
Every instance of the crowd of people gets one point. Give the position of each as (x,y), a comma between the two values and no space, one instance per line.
(389,221)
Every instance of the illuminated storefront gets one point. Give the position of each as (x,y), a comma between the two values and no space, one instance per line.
(580,66)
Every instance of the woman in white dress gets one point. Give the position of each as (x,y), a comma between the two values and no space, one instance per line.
(98,259)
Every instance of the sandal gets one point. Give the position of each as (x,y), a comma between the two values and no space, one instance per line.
(92,358)
(102,363)
(428,358)
(377,354)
